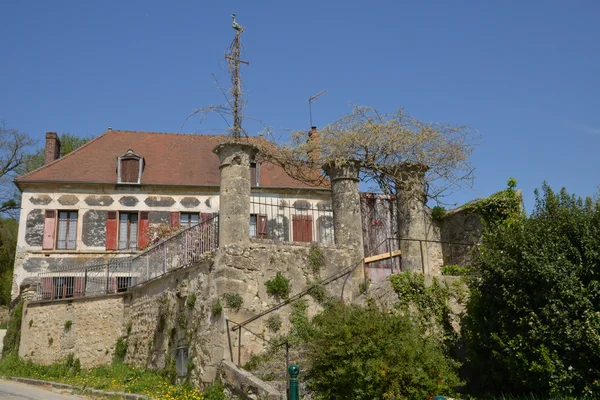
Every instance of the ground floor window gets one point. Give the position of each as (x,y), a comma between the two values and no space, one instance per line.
(128,231)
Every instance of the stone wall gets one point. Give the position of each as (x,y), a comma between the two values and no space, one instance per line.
(87,327)
(460,226)
(159,317)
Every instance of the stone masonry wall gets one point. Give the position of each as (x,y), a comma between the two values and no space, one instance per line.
(96,323)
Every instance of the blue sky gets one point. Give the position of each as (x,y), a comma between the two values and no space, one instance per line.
(524,74)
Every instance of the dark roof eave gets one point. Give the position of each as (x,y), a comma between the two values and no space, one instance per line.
(17,183)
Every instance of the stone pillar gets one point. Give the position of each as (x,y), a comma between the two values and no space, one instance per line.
(234,208)
(345,198)
(412,219)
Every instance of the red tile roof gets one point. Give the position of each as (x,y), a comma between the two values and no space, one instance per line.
(169,159)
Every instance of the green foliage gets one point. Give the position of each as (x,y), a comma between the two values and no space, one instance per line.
(129,326)
(455,270)
(533,323)
(12,339)
(364,353)
(438,213)
(182,320)
(301,329)
(31,322)
(233,301)
(116,377)
(317,292)
(274,323)
(50,341)
(215,391)
(120,349)
(502,207)
(8,245)
(363,287)
(217,309)
(68,143)
(169,371)
(278,287)
(191,301)
(316,258)
(68,324)
(426,305)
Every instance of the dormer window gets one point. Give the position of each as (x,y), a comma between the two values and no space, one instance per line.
(129,168)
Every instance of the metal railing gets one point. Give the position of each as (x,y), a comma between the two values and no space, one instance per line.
(119,274)
(291,220)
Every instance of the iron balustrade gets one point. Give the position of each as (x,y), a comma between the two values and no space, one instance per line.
(119,274)
(291,220)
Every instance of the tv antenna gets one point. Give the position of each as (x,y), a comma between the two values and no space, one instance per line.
(233,58)
(310,99)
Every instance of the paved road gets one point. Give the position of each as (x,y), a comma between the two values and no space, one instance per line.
(19,391)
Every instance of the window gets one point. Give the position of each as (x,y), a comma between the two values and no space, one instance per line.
(66,235)
(254,174)
(128,231)
(189,219)
(258,226)
(63,287)
(123,283)
(129,168)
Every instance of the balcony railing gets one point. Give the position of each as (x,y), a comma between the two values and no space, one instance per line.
(119,274)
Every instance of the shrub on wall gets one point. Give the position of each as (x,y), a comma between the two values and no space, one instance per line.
(233,301)
(12,339)
(278,287)
(533,323)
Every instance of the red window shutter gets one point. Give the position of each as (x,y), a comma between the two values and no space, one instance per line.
(174,220)
(262,226)
(49,229)
(144,233)
(112,287)
(47,289)
(79,287)
(302,227)
(111,230)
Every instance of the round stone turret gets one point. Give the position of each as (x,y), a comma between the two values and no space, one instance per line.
(234,208)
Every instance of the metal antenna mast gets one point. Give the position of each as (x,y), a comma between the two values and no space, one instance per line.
(233,58)
(310,99)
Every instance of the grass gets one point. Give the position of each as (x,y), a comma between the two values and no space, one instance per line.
(117,377)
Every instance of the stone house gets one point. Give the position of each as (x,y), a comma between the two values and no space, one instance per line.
(108,198)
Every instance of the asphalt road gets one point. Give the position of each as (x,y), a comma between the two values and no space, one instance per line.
(19,391)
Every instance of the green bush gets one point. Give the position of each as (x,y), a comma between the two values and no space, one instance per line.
(216,309)
(278,287)
(68,324)
(502,207)
(191,301)
(364,353)
(12,339)
(120,349)
(233,301)
(455,270)
(533,323)
(316,258)
(438,213)
(274,323)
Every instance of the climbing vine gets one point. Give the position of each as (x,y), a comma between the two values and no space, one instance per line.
(501,207)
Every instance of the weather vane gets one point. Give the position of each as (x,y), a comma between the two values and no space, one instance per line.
(233,58)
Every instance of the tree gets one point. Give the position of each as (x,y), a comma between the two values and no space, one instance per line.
(13,153)
(68,143)
(8,246)
(533,320)
(383,144)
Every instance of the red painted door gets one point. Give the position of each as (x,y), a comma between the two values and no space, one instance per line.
(302,228)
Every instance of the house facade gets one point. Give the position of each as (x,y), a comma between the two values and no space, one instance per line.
(112,197)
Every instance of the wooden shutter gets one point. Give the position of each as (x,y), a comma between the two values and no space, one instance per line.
(261,229)
(144,233)
(302,227)
(47,289)
(174,219)
(130,169)
(111,230)
(79,287)
(49,229)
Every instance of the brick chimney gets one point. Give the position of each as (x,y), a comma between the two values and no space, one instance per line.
(313,137)
(52,147)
